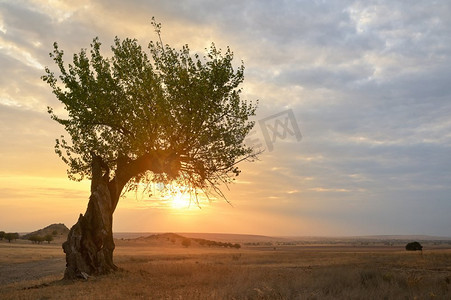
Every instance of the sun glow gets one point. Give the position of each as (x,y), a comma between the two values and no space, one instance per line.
(180,200)
(183,197)
(172,196)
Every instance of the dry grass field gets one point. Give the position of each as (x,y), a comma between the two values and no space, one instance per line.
(166,270)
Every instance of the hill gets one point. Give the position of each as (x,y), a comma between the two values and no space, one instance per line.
(57,230)
(220,237)
(233,238)
(175,240)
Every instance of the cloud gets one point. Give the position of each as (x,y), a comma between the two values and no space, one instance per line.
(368,82)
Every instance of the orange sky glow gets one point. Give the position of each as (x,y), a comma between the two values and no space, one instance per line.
(365,84)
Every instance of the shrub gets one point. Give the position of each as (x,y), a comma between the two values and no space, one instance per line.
(414,246)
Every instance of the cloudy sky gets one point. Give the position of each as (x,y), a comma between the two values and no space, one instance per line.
(368,83)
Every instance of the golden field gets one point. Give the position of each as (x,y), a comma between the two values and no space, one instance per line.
(163,269)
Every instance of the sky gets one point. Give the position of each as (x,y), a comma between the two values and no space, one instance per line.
(354,114)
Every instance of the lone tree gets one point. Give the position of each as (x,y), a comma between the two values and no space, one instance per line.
(414,246)
(163,116)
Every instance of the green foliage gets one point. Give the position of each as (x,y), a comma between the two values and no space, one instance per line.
(142,102)
(2,235)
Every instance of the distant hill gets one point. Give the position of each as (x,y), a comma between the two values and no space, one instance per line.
(221,237)
(252,240)
(162,236)
(234,238)
(56,230)
(173,239)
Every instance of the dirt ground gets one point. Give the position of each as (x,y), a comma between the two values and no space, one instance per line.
(21,261)
(166,270)
(32,270)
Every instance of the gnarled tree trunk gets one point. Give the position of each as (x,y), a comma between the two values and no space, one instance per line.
(90,245)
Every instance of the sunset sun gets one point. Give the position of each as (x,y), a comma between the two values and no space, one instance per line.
(180,200)
(182,197)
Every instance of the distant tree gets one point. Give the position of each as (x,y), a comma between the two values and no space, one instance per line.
(2,235)
(54,232)
(48,238)
(36,239)
(169,117)
(33,239)
(237,246)
(186,242)
(10,236)
(414,246)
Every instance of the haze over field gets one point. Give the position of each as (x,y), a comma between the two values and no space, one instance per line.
(367,82)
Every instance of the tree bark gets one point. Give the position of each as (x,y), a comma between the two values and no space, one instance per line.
(90,245)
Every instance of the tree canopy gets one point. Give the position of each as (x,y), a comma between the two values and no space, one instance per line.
(173,113)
